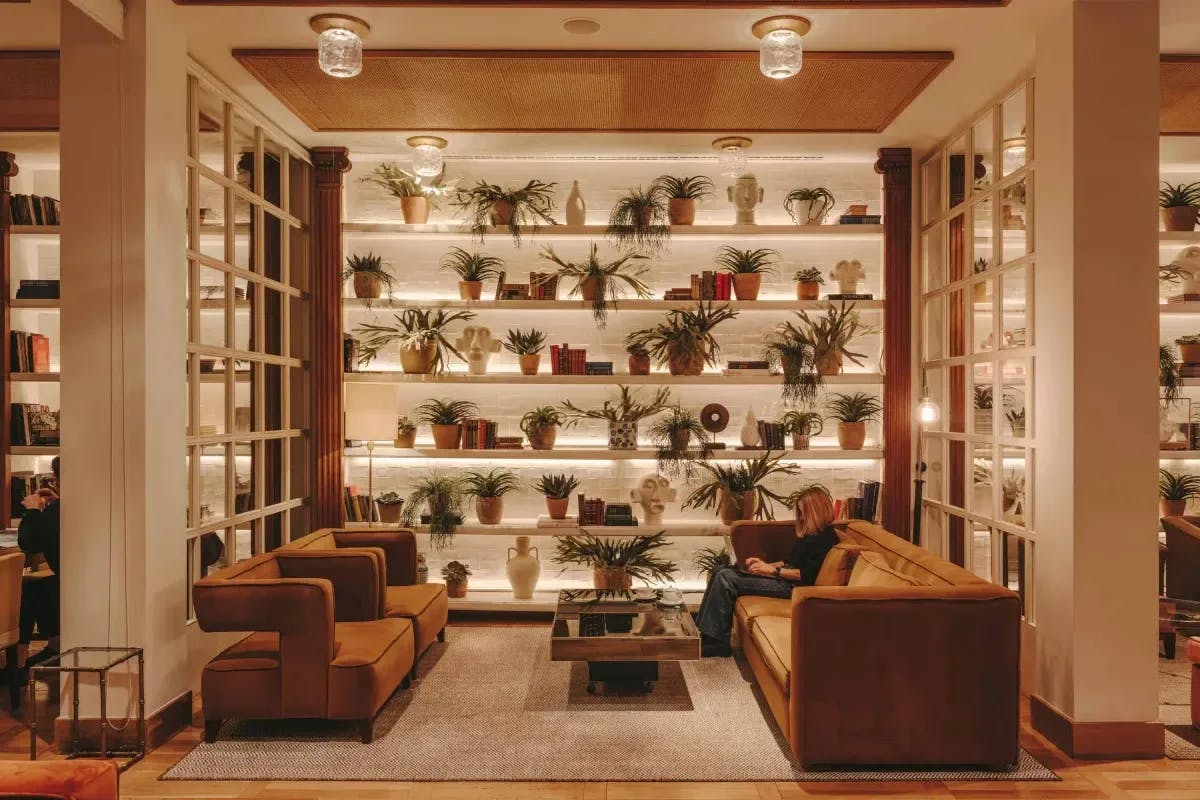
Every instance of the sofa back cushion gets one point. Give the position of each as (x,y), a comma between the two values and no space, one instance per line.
(907,558)
(838,564)
(320,540)
(872,570)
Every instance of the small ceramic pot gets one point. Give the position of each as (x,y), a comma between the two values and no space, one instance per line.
(502,213)
(405,439)
(799,441)
(389,513)
(1172,508)
(530,363)
(489,510)
(746,285)
(611,579)
(418,360)
(415,210)
(1179,218)
(735,507)
(367,286)
(456,588)
(808,290)
(830,364)
(1189,353)
(622,435)
(851,435)
(447,437)
(681,211)
(543,438)
(470,290)
(556,507)
(680,440)
(639,365)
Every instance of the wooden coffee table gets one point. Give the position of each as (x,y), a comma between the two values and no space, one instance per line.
(622,638)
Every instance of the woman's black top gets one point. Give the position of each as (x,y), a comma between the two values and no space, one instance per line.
(808,553)
(38,533)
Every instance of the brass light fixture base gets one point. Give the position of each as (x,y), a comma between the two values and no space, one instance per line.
(324,22)
(783,22)
(418,141)
(732,141)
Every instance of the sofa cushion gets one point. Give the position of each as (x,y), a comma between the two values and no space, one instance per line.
(872,569)
(907,558)
(426,605)
(750,607)
(257,651)
(773,638)
(835,569)
(1193,649)
(370,660)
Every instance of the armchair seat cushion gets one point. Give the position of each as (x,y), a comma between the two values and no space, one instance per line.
(750,608)
(369,660)
(426,605)
(773,636)
(245,680)
(1193,649)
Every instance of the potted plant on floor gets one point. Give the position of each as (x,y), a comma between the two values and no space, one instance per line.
(517,209)
(488,489)
(441,496)
(802,425)
(623,416)
(445,418)
(370,278)
(737,491)
(809,206)
(1179,204)
(747,268)
(685,341)
(422,337)
(406,433)
(527,346)
(673,435)
(455,574)
(417,197)
(541,426)
(1174,492)
(639,221)
(639,357)
(473,269)
(831,334)
(809,281)
(853,412)
(557,490)
(389,505)
(601,284)
(681,195)
(617,562)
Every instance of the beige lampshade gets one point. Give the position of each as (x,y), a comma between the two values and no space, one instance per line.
(371,411)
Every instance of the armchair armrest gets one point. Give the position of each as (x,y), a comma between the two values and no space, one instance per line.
(356,576)
(85,779)
(399,550)
(768,540)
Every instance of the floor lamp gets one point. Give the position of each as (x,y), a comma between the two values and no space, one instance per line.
(371,416)
(928,412)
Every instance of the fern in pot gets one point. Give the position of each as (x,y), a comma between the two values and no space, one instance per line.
(1179,204)
(747,268)
(639,221)
(557,490)
(441,496)
(622,416)
(541,426)
(370,278)
(527,346)
(445,418)
(831,334)
(685,341)
(616,562)
(417,196)
(487,204)
(809,281)
(853,412)
(681,195)
(488,489)
(802,425)
(601,284)
(674,434)
(737,491)
(809,206)
(389,505)
(639,356)
(472,270)
(422,335)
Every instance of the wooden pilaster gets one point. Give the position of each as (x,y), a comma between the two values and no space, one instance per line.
(8,169)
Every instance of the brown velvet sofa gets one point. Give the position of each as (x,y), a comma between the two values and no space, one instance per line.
(320,648)
(883,671)
(426,605)
(1183,557)
(84,779)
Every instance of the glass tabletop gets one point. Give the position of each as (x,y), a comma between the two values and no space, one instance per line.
(586,613)
(87,659)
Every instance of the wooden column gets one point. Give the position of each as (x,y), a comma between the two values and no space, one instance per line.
(329,165)
(8,170)
(895,165)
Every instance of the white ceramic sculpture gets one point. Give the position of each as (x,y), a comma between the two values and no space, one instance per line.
(653,492)
(576,208)
(745,195)
(477,345)
(1187,261)
(750,429)
(848,274)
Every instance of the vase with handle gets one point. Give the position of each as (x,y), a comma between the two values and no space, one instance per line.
(523,568)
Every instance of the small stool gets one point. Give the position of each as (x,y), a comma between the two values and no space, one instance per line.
(1193,654)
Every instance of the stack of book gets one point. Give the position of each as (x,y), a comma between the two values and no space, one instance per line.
(619,515)
(479,434)
(1186,297)
(567,360)
(598,368)
(33,425)
(43,289)
(550,522)
(864,506)
(708,285)
(854,296)
(28,352)
(32,209)
(747,367)
(543,286)
(771,435)
(349,353)
(509,442)
(591,510)
(24,484)
(358,507)
(859,219)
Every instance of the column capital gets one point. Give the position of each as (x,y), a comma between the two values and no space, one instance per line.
(329,163)
(895,164)
(8,164)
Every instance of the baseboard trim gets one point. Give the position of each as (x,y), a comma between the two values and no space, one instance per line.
(164,723)
(1117,740)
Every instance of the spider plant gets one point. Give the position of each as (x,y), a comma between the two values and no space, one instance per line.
(442,496)
(400,183)
(809,275)
(639,220)
(599,283)
(696,187)
(371,267)
(486,204)
(493,483)
(446,412)
(788,348)
(708,560)
(1177,488)
(627,408)
(1179,195)
(746,262)
(735,480)
(684,341)
(673,434)
(525,343)
(1168,374)
(415,329)
(815,204)
(557,487)
(831,334)
(471,266)
(803,423)
(543,417)
(857,407)
(634,554)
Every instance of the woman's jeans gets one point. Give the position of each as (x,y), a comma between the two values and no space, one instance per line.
(727,584)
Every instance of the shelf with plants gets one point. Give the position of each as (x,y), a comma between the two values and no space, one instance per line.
(766,304)
(653,379)
(452,231)
(603,454)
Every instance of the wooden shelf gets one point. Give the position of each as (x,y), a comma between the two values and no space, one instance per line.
(1179,237)
(1179,455)
(1171,309)
(604,454)
(454,230)
(355,303)
(42,305)
(528,527)
(34,377)
(653,379)
(15,450)
(34,230)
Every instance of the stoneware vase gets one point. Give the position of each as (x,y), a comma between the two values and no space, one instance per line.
(457,588)
(415,210)
(622,435)
(746,285)
(446,437)
(489,510)
(530,363)
(1189,353)
(611,579)
(639,365)
(470,290)
(418,360)
(808,290)
(681,211)
(389,513)
(851,435)
(367,286)
(556,507)
(575,207)
(523,568)
(1179,218)
(734,507)
(543,438)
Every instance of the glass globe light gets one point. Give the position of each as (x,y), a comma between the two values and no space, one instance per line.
(928,411)
(781,45)
(427,155)
(339,44)
(731,155)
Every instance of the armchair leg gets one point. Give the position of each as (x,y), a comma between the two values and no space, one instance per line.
(366,730)
(1168,643)
(211,727)
(407,682)
(13,676)
(442,635)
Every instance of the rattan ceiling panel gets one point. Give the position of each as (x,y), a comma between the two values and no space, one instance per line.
(1180,82)
(596,91)
(29,90)
(613,3)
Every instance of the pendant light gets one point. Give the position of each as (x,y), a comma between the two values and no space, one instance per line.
(427,155)
(731,155)
(781,45)
(339,43)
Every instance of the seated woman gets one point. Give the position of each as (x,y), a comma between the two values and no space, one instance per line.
(815,537)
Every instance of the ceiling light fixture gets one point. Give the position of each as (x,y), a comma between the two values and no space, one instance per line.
(339,43)
(781,48)
(731,158)
(427,155)
(581,25)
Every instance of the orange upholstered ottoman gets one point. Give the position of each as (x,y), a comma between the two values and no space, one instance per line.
(1193,654)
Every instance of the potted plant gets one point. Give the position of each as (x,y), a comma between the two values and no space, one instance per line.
(673,435)
(682,194)
(639,357)
(1016,421)
(802,425)
(488,204)
(1174,492)
(527,346)
(473,269)
(1179,204)
(708,560)
(639,220)
(853,412)
(455,574)
(1189,348)
(809,206)
(541,426)
(421,335)
(416,196)
(558,490)
(616,562)
(685,340)
(809,281)
(370,278)
(979,292)
(623,416)
(747,268)
(788,348)
(406,433)
(488,489)
(445,418)
(389,505)
(736,491)
(442,496)
(601,284)
(1169,378)
(831,334)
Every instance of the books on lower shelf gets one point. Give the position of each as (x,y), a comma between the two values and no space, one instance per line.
(33,209)
(358,506)
(567,360)
(707,285)
(25,483)
(771,435)
(40,289)
(479,434)
(746,367)
(28,352)
(864,506)
(33,425)
(591,510)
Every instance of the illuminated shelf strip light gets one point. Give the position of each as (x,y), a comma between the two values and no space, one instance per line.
(653,379)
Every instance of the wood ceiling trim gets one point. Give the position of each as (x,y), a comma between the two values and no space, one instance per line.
(29,90)
(649,4)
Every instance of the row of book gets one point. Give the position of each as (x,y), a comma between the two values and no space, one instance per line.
(708,285)
(859,219)
(33,209)
(541,286)
(358,507)
(22,485)
(772,435)
(28,352)
(480,434)
(33,425)
(746,367)
(38,289)
(864,506)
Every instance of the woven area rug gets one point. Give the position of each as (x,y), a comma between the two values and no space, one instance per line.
(490,705)
(1175,707)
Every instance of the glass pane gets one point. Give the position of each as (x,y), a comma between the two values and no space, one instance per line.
(935,386)
(244,321)
(212,218)
(935,459)
(212,483)
(934,318)
(212,399)
(272,413)
(955,249)
(243,151)
(983,481)
(1013,293)
(984,236)
(273,456)
(273,322)
(1013,216)
(213,285)
(958,170)
(243,240)
(957,311)
(1017,140)
(273,232)
(1012,487)
(983,317)
(244,477)
(931,186)
(979,557)
(958,472)
(982,138)
(933,257)
(983,401)
(1016,390)
(933,531)
(299,459)
(212,136)
(244,543)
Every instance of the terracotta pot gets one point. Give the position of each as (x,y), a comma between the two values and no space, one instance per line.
(489,510)
(685,363)
(1172,508)
(367,286)
(470,290)
(543,438)
(530,363)
(502,213)
(808,290)
(456,588)
(556,507)
(851,435)
(418,360)
(389,513)
(405,439)
(589,288)
(746,285)
(639,365)
(643,217)
(447,437)
(735,507)
(680,440)
(979,292)
(1179,218)
(830,364)
(415,210)
(799,441)
(1189,353)
(611,579)
(681,211)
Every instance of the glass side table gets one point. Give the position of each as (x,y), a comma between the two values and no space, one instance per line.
(99,661)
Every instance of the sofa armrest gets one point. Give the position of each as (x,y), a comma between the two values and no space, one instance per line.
(356,576)
(85,779)
(399,549)
(768,540)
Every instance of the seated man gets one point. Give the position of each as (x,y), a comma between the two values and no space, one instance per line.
(38,533)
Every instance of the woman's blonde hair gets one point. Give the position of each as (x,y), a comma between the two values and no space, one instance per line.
(814,509)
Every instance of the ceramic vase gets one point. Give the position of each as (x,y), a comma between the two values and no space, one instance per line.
(851,435)
(745,195)
(736,506)
(556,507)
(418,360)
(622,435)
(367,286)
(542,438)
(749,433)
(576,208)
(611,579)
(523,569)
(489,510)
(415,210)
(389,513)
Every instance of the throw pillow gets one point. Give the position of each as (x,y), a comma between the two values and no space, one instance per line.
(835,569)
(871,569)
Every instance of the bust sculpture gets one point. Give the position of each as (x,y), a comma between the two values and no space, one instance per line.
(653,492)
(848,274)
(745,194)
(1187,263)
(477,346)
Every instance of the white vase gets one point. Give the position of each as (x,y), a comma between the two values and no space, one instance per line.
(523,569)
(576,209)
(750,429)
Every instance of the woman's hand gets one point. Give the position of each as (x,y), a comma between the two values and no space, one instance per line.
(760,567)
(752,560)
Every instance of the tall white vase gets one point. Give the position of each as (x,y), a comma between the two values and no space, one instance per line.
(750,429)
(575,207)
(523,569)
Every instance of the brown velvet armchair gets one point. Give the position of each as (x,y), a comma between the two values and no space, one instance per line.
(84,779)
(1183,557)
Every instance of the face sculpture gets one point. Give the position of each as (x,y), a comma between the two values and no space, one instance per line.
(653,492)
(477,346)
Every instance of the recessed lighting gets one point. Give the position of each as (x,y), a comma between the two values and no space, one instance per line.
(581,25)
